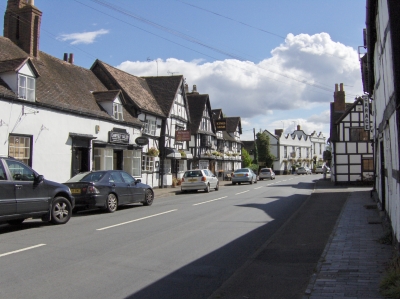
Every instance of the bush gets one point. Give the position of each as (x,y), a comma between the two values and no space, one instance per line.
(254,167)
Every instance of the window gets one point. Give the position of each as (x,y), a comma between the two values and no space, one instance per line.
(127,178)
(20,172)
(150,127)
(368,164)
(3,175)
(358,134)
(132,162)
(103,158)
(285,151)
(26,88)
(117,111)
(148,163)
(19,147)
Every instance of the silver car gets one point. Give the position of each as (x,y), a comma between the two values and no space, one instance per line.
(199,179)
(244,175)
(303,170)
(266,173)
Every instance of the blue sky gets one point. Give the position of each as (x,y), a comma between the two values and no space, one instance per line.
(273,63)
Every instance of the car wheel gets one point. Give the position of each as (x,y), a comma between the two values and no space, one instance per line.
(111,203)
(149,197)
(183,191)
(239,183)
(217,187)
(233,183)
(61,211)
(255,182)
(207,190)
(15,221)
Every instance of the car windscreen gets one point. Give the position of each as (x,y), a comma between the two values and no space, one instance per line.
(264,170)
(192,174)
(87,177)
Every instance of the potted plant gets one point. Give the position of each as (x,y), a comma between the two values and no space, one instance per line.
(153,152)
(183,154)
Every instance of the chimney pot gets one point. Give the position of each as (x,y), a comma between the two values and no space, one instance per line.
(71,58)
(278,132)
(65,56)
(339,103)
(298,127)
(194,88)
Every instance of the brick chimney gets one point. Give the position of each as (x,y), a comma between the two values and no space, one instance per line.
(339,99)
(194,89)
(278,132)
(22,25)
(298,127)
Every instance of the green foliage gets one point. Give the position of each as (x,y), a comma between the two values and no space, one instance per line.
(246,158)
(390,283)
(255,161)
(264,149)
(254,167)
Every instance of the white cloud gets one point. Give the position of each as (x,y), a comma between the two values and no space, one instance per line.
(276,87)
(82,38)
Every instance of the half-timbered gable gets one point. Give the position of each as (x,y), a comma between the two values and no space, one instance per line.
(169,92)
(353,152)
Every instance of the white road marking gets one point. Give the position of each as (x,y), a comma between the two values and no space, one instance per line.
(200,203)
(23,249)
(123,223)
(242,192)
(259,187)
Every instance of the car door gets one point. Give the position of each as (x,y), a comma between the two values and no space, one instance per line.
(8,202)
(120,187)
(136,191)
(31,195)
(212,178)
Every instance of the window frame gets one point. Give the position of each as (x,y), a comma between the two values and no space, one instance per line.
(117,111)
(25,159)
(25,91)
(150,127)
(358,134)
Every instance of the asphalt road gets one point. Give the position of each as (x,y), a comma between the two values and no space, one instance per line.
(192,245)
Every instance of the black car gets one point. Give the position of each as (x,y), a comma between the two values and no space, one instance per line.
(108,189)
(26,194)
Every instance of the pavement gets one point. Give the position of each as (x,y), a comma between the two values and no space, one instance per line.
(328,249)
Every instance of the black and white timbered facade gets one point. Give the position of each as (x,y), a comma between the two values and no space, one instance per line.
(352,151)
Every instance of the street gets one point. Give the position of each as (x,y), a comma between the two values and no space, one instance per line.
(184,246)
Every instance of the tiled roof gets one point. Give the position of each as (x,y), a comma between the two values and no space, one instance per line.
(197,103)
(164,89)
(135,89)
(106,96)
(233,123)
(61,84)
(217,113)
(11,65)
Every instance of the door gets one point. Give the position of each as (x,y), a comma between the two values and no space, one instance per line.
(118,159)
(80,160)
(8,203)
(137,192)
(30,195)
(120,187)
(383,174)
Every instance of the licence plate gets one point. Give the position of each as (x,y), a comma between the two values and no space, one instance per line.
(192,180)
(76,191)
(239,174)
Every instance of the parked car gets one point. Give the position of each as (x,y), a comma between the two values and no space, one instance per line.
(320,169)
(26,194)
(303,170)
(199,179)
(244,175)
(108,189)
(266,173)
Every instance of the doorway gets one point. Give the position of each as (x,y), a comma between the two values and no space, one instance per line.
(118,159)
(80,160)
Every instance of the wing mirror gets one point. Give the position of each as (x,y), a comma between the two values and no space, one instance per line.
(138,181)
(39,179)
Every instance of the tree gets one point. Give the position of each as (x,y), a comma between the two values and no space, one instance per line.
(246,158)
(255,161)
(264,149)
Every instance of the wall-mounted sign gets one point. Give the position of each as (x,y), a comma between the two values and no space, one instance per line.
(366,113)
(142,140)
(220,125)
(118,137)
(182,135)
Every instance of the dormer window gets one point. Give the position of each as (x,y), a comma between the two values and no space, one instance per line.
(150,127)
(117,110)
(26,87)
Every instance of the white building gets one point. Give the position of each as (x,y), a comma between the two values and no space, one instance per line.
(381,82)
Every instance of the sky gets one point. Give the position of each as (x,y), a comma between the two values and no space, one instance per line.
(273,63)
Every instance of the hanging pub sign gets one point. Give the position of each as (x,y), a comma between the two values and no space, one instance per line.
(220,125)
(182,135)
(366,113)
(142,140)
(118,137)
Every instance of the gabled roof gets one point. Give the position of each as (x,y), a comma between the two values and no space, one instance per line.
(106,96)
(164,89)
(349,108)
(197,103)
(217,114)
(135,89)
(335,116)
(62,85)
(233,123)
